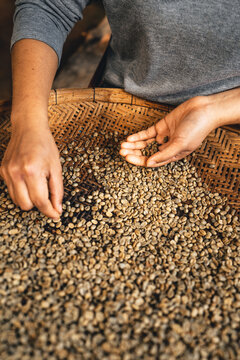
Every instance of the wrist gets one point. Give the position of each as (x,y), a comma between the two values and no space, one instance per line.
(224,108)
(29,119)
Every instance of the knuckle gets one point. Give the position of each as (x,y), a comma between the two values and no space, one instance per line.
(13,170)
(29,169)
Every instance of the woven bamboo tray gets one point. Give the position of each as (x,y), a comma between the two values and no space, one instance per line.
(75,114)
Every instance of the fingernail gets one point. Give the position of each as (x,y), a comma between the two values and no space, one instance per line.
(151,163)
(60,208)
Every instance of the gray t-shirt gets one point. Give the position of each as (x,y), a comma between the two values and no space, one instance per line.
(162,50)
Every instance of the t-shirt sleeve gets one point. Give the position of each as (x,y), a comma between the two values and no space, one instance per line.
(49,21)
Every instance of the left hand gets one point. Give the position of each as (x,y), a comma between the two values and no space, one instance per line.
(186,127)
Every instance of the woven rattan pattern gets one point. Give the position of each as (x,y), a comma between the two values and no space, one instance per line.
(75,115)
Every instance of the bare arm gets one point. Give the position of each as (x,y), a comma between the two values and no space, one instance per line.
(31,166)
(34,65)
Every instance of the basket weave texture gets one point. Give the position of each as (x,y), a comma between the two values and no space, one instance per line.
(76,114)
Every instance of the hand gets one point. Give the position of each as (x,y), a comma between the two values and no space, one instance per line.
(32,171)
(186,127)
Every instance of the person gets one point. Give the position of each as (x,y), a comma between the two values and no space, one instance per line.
(184,53)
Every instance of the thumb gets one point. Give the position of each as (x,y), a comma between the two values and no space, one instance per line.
(56,190)
(168,152)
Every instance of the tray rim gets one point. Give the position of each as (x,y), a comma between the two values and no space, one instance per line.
(110,95)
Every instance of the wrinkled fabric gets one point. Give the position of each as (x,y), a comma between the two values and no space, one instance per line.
(165,51)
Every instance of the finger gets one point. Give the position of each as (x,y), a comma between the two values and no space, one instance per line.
(7,179)
(11,191)
(167,151)
(178,157)
(162,130)
(39,195)
(56,190)
(125,152)
(22,195)
(137,160)
(143,135)
(137,144)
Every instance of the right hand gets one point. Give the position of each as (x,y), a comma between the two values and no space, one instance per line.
(32,171)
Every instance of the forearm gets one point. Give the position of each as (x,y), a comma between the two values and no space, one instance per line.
(34,65)
(225,107)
